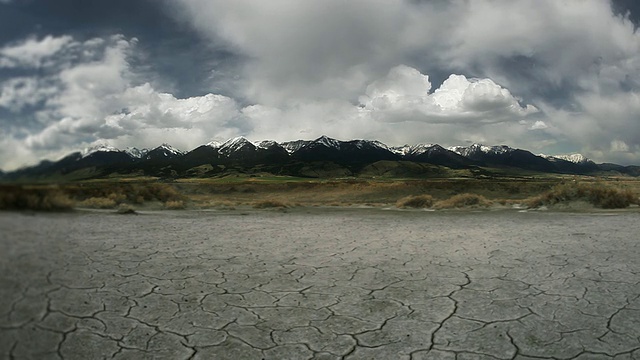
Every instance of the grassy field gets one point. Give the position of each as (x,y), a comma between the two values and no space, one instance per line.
(278,192)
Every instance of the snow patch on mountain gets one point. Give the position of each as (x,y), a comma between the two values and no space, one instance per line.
(293,146)
(361,144)
(266,144)
(136,153)
(401,150)
(214,144)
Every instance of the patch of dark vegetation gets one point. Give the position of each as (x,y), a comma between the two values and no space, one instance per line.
(40,198)
(266,204)
(126,209)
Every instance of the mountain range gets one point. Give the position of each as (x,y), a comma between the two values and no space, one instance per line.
(322,157)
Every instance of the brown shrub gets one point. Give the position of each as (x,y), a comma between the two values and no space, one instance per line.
(612,198)
(535,202)
(265,204)
(415,201)
(56,200)
(463,200)
(164,192)
(174,205)
(98,203)
(598,194)
(118,198)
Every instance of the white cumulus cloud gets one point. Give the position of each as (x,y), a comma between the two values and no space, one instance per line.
(539,125)
(404,95)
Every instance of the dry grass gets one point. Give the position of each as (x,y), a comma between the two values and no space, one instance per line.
(415,201)
(342,192)
(474,193)
(37,199)
(266,204)
(598,194)
(463,201)
(132,193)
(608,193)
(175,205)
(98,203)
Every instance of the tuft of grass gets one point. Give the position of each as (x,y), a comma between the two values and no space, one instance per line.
(36,199)
(174,205)
(266,204)
(463,200)
(126,209)
(597,194)
(415,201)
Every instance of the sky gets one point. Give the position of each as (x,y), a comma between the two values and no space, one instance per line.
(549,76)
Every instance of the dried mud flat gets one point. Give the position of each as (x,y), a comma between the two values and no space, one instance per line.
(320,284)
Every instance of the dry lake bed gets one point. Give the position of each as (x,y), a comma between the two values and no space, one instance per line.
(320,284)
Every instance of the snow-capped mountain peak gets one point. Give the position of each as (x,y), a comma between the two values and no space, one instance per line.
(235,140)
(98,148)
(234,145)
(328,142)
(168,149)
(421,149)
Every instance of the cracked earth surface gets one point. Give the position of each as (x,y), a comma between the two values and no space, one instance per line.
(315,284)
